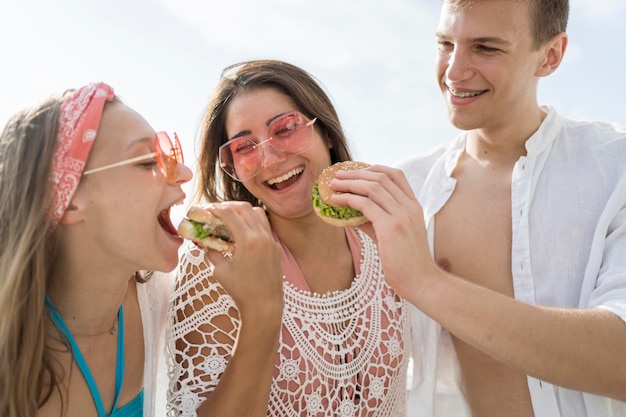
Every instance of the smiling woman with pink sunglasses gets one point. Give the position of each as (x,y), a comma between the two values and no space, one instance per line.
(86,188)
(328,336)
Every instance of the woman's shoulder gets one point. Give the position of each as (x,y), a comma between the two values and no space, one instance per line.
(368,230)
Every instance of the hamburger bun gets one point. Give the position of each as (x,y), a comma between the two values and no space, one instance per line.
(206,231)
(340,216)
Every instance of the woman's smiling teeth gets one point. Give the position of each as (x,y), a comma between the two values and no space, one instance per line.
(274,181)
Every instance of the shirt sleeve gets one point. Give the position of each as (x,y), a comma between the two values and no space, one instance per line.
(606,268)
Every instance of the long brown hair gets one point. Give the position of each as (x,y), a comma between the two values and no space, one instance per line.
(290,80)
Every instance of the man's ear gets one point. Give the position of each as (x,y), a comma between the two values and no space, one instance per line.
(553,54)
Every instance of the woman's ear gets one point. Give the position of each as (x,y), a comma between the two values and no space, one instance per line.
(73,214)
(553,54)
(75,210)
(329,143)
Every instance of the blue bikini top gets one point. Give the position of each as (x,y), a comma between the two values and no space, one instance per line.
(135,407)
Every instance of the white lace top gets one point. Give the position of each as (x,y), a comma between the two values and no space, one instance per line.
(340,354)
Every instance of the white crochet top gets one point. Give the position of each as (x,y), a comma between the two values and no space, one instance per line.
(340,354)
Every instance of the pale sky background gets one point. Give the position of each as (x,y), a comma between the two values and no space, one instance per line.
(375,58)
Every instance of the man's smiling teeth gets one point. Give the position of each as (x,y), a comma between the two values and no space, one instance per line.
(286,176)
(464,94)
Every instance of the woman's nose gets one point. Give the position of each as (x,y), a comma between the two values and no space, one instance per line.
(183,174)
(270,154)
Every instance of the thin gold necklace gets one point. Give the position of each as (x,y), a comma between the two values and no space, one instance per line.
(112,331)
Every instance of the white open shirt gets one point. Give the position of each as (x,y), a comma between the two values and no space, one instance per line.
(568,199)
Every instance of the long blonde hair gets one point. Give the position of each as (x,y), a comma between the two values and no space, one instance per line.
(27,146)
(28,374)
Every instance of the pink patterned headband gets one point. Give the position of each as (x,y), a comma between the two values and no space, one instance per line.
(78,125)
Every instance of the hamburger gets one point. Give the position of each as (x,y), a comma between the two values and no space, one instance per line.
(336,215)
(206,231)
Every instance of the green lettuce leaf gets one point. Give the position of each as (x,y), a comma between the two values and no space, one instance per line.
(330,211)
(199,230)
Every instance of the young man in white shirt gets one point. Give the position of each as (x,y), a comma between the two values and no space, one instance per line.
(526,218)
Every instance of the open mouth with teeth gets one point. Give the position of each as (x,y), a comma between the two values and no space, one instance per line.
(284,181)
(166,222)
(465,94)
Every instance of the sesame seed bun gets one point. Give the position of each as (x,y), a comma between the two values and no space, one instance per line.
(325,192)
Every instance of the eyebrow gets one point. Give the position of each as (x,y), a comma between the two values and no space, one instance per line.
(491,39)
(481,39)
(267,123)
(139,141)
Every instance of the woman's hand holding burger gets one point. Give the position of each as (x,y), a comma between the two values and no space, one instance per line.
(247,259)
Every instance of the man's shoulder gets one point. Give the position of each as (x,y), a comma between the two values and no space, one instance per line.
(596,129)
(606,141)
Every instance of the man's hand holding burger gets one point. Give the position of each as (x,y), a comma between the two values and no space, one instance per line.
(385,197)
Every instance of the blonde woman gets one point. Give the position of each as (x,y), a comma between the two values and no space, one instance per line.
(86,187)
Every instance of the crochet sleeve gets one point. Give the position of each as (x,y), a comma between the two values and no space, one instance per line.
(201,332)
